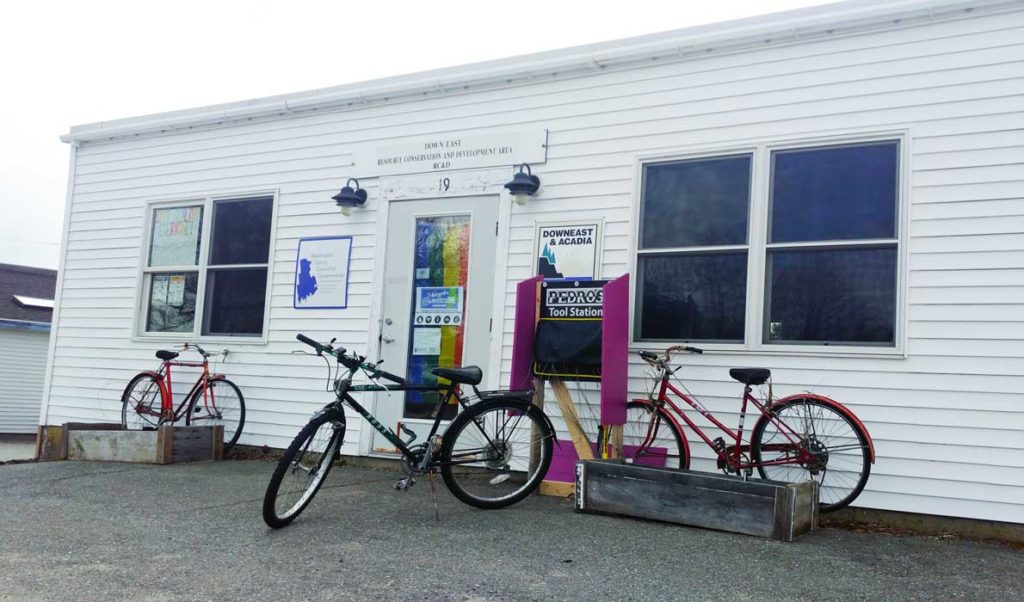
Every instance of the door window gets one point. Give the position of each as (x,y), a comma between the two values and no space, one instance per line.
(439,296)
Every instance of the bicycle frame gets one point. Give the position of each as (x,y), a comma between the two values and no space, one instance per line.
(731,455)
(163,375)
(448,390)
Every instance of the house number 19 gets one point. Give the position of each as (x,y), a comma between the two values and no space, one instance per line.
(444,184)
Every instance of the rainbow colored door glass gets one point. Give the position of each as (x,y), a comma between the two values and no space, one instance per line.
(439,294)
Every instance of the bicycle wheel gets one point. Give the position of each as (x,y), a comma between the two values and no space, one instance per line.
(841,458)
(141,403)
(303,468)
(486,453)
(652,444)
(223,404)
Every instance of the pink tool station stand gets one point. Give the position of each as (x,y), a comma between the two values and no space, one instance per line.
(528,371)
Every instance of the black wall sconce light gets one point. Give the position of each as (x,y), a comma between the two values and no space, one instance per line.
(350,197)
(523,185)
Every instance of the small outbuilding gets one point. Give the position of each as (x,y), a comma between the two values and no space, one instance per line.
(26,306)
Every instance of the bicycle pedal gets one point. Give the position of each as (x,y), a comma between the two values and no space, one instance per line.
(404,484)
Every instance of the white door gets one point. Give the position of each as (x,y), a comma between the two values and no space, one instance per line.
(437,303)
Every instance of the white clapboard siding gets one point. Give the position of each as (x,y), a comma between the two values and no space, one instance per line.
(946,418)
(22,367)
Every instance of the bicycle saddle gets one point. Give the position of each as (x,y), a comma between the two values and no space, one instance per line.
(165,355)
(467,375)
(751,376)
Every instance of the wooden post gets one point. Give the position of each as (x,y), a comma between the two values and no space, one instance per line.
(572,420)
(615,439)
(164,444)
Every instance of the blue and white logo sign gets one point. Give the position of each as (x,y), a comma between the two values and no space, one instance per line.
(321,273)
(568,251)
(439,305)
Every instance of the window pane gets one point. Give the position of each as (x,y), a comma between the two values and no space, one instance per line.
(172,302)
(241,231)
(843,296)
(235,301)
(174,238)
(696,203)
(839,193)
(693,296)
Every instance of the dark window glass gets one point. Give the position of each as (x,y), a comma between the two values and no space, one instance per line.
(697,296)
(696,203)
(235,301)
(241,231)
(172,302)
(838,193)
(838,296)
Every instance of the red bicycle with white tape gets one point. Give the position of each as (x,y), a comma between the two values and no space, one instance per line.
(148,400)
(800,437)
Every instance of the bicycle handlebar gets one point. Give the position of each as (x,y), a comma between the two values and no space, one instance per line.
(352,362)
(198,349)
(674,348)
(655,359)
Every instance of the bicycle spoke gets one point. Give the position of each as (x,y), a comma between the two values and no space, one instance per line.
(829,451)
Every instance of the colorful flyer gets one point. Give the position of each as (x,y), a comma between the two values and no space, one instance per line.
(438,305)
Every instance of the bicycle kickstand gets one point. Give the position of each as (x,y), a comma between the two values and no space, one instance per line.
(433,495)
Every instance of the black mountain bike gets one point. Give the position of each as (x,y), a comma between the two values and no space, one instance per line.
(492,455)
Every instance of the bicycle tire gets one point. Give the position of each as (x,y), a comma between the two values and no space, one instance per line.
(667,437)
(149,399)
(490,441)
(841,488)
(232,425)
(321,459)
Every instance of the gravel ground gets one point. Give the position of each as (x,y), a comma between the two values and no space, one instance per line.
(97,531)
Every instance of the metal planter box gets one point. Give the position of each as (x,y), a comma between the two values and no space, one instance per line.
(763,508)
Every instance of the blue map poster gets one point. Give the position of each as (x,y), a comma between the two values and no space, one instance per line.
(321,272)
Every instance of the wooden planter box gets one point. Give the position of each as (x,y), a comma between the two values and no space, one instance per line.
(771,509)
(107,442)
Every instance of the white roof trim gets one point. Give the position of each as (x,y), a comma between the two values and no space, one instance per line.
(838,19)
(27,301)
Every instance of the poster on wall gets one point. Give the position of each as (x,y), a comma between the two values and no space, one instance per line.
(568,250)
(321,272)
(175,236)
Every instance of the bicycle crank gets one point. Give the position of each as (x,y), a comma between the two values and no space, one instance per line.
(405,483)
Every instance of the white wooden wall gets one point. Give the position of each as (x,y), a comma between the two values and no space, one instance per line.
(22,366)
(947,420)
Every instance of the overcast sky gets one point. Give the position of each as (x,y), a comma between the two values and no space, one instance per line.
(66,63)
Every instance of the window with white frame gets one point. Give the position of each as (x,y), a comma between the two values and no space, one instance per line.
(829,227)
(208,279)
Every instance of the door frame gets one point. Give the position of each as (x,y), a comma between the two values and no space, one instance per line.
(492,378)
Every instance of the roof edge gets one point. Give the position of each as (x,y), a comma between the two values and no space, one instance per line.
(841,18)
(24,325)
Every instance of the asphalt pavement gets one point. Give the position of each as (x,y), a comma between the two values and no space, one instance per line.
(102,531)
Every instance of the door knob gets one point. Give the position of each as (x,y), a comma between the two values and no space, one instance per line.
(387,339)
(388,321)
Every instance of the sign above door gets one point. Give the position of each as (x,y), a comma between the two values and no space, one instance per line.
(475,182)
(445,152)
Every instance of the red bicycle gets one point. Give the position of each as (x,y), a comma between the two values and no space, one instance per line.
(148,400)
(799,437)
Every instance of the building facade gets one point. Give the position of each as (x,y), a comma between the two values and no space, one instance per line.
(832,193)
